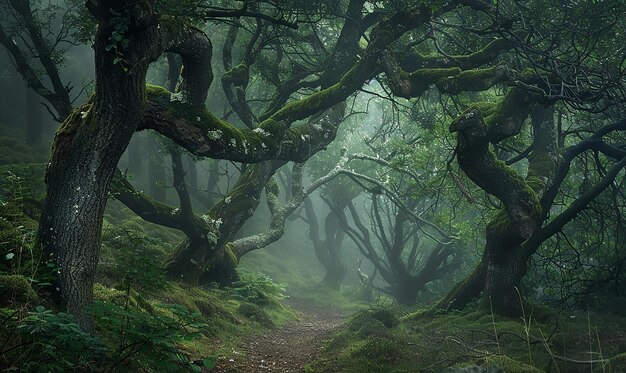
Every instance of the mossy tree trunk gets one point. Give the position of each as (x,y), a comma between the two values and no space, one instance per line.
(86,151)
(504,263)
(92,139)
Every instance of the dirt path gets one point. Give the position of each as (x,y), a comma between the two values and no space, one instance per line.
(288,348)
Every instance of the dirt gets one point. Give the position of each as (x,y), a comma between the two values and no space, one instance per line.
(288,348)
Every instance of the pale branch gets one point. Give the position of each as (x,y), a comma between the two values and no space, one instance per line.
(398,201)
(280,212)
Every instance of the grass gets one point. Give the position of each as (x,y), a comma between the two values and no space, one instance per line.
(549,341)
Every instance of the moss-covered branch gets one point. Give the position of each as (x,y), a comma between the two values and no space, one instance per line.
(486,55)
(195,49)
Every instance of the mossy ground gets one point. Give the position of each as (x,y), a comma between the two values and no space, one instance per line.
(419,343)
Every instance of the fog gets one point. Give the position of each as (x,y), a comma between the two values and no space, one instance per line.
(351,186)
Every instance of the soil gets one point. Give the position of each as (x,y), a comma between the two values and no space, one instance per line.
(288,348)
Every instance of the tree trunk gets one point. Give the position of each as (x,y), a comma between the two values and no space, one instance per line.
(504,262)
(85,155)
(192,172)
(406,293)
(200,260)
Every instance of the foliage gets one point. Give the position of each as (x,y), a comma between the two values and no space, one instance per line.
(145,339)
(138,259)
(256,313)
(45,341)
(257,288)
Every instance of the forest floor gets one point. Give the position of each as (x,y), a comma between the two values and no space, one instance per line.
(287,348)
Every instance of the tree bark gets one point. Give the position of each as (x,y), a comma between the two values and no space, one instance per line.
(87,149)
(504,263)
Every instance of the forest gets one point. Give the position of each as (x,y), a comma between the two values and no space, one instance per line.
(313,186)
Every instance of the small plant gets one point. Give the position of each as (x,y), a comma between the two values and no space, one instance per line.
(45,341)
(138,261)
(149,339)
(258,288)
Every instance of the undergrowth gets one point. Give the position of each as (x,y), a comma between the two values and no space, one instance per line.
(144,321)
(544,342)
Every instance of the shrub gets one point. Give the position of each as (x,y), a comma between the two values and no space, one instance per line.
(257,288)
(49,342)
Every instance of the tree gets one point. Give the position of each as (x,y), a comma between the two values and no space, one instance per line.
(403,46)
(23,22)
(337,195)
(91,140)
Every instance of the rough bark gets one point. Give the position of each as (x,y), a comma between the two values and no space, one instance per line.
(86,151)
(504,263)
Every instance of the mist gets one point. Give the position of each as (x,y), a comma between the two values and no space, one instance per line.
(326,186)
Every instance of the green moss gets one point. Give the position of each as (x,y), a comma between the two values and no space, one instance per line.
(506,117)
(510,365)
(16,289)
(238,75)
(255,313)
(312,104)
(421,79)
(541,169)
(154,91)
(470,80)
(105,294)
(386,317)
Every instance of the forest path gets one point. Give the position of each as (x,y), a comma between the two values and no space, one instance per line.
(288,348)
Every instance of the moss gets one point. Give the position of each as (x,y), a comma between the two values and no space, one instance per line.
(255,313)
(176,24)
(154,91)
(470,80)
(105,294)
(385,348)
(506,117)
(16,289)
(510,365)
(311,104)
(238,75)
(541,169)
(373,323)
(386,317)
(421,79)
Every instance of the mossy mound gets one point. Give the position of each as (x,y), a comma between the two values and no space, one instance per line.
(16,289)
(476,341)
(256,313)
(370,323)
